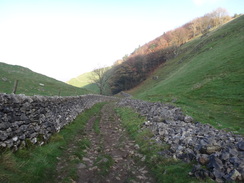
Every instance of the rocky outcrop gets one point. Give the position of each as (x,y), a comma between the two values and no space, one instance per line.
(219,154)
(33,119)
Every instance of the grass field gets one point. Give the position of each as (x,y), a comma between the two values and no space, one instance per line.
(31,83)
(206,79)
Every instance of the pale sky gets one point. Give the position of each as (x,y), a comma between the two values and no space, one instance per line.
(65,38)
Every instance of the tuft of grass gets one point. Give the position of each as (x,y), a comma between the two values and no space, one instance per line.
(164,169)
(96,124)
(84,143)
(38,163)
(205,79)
(104,162)
(8,162)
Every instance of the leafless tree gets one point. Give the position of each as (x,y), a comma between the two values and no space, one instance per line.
(100,77)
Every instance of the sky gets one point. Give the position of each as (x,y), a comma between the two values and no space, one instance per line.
(65,38)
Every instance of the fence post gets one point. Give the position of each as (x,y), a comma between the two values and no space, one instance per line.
(15,86)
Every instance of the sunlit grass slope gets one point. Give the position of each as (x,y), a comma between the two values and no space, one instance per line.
(206,79)
(32,83)
(84,81)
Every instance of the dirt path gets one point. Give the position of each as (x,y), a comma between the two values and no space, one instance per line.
(111,157)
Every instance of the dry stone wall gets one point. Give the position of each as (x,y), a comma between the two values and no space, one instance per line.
(219,154)
(33,119)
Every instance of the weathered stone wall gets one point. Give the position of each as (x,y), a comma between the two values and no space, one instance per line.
(35,118)
(219,154)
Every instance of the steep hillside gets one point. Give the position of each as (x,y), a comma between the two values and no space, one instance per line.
(136,67)
(31,83)
(206,78)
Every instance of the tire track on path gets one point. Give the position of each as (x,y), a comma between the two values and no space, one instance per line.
(111,156)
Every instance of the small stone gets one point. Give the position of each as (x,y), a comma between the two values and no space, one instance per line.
(86,159)
(163,132)
(240,145)
(137,147)
(81,166)
(104,160)
(3,135)
(34,140)
(203,159)
(235,161)
(3,145)
(93,168)
(140,177)
(234,175)
(209,149)
(174,157)
(143,158)
(147,123)
(188,119)
(225,156)
(15,139)
(215,163)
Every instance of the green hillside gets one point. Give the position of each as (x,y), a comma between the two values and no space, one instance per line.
(31,83)
(83,81)
(206,79)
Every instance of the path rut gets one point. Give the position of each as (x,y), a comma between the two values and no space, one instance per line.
(112,155)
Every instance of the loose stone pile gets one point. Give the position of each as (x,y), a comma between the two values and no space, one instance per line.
(219,154)
(25,119)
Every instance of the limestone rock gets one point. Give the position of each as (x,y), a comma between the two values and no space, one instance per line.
(234,175)
(81,166)
(188,119)
(215,163)
(209,149)
(203,159)
(240,145)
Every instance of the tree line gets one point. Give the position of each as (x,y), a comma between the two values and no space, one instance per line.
(180,35)
(133,69)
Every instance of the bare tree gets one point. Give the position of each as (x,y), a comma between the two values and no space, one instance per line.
(100,77)
(194,25)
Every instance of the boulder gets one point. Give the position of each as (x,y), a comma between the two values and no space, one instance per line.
(209,149)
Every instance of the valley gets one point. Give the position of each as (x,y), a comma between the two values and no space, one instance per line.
(176,116)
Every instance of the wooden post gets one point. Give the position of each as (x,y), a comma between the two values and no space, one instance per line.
(15,86)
